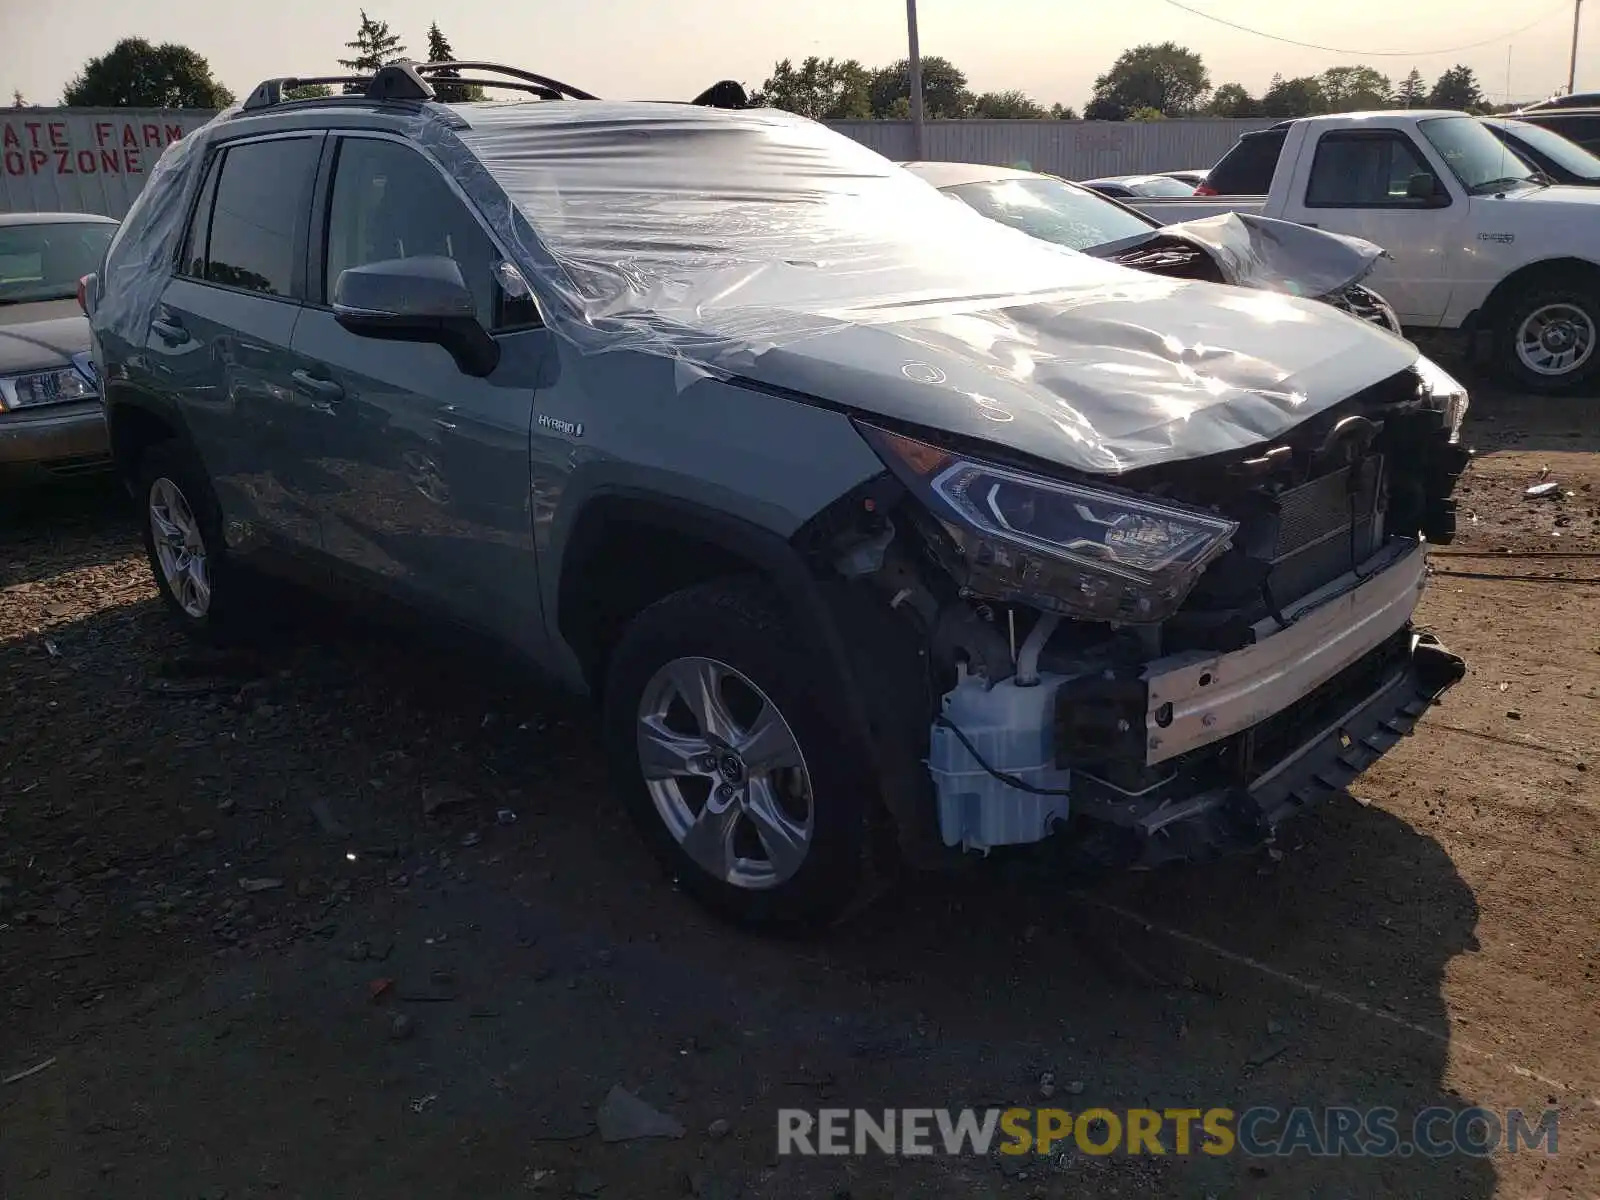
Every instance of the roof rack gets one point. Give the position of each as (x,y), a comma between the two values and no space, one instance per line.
(409,81)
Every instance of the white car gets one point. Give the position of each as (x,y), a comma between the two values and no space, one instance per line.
(1478,241)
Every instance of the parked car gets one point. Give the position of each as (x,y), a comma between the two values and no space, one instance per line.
(870,525)
(1123,187)
(1480,242)
(1244,251)
(51,423)
(1557,158)
(1577,123)
(1193,178)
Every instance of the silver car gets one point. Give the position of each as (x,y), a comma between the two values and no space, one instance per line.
(50,416)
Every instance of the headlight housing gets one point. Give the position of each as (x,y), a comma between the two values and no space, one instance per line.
(1082,551)
(35,388)
(1444,393)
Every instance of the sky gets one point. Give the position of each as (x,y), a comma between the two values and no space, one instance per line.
(673,49)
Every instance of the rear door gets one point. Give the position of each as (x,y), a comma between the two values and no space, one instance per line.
(433,468)
(1355,181)
(220,336)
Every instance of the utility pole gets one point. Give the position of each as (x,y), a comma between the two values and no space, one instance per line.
(916,79)
(1572,70)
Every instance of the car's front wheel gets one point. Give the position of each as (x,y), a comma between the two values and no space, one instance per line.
(729,761)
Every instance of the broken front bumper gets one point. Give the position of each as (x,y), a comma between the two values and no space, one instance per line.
(1196,754)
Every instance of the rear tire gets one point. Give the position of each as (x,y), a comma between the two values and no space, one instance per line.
(1547,338)
(730,764)
(183,541)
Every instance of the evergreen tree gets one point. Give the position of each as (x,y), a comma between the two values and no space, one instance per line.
(374,46)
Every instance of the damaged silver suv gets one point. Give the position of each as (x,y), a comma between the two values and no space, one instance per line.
(872,525)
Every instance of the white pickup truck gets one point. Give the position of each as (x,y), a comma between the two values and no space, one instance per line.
(1478,240)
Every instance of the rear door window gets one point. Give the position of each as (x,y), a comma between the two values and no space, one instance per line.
(192,262)
(258,218)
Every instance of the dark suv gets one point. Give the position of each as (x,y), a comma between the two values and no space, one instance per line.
(868,522)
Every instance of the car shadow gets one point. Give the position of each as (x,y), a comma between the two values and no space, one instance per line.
(87,521)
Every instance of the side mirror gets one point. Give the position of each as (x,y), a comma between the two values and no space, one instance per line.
(422,299)
(1423,186)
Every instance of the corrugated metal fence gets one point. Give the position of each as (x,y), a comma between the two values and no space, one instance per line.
(83,159)
(1071,149)
(97,159)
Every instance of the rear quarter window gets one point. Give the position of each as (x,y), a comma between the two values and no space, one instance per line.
(1247,169)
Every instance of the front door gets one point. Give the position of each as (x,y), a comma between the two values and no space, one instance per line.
(220,339)
(432,464)
(1358,184)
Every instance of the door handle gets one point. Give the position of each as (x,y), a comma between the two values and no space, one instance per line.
(170,330)
(325,390)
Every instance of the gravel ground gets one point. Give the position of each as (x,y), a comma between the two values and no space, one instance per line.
(351,917)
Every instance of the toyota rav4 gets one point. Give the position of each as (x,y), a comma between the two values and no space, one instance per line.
(870,524)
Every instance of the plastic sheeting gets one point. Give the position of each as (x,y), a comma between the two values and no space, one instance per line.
(761,244)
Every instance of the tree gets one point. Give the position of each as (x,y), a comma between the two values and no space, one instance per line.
(374,47)
(944,89)
(1232,100)
(17,100)
(1147,114)
(1063,112)
(440,50)
(1013,106)
(1457,88)
(1301,97)
(1354,89)
(135,74)
(820,88)
(308,91)
(1412,92)
(1167,77)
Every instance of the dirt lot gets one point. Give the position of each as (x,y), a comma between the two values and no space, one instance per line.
(355,920)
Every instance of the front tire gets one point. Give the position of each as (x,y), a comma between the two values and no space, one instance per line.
(1548,335)
(730,763)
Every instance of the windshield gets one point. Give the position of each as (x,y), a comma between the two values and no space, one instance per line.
(45,262)
(1051,211)
(1569,156)
(1481,161)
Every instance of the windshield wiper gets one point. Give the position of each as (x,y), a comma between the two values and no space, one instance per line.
(1497,185)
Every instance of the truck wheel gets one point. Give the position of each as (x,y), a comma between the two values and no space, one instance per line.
(183,539)
(728,762)
(1549,335)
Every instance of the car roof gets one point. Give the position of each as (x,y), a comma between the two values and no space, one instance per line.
(953,174)
(1121,179)
(55,218)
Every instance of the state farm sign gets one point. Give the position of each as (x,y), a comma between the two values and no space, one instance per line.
(115,146)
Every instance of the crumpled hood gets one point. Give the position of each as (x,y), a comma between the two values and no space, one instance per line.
(41,335)
(1279,256)
(1142,371)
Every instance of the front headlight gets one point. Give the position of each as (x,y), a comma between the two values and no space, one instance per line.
(1444,393)
(1082,551)
(56,386)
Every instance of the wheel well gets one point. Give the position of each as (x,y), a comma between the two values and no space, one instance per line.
(1550,270)
(134,430)
(617,565)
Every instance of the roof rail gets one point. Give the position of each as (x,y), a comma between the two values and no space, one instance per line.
(410,81)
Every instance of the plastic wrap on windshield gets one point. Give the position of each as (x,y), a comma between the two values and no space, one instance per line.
(1279,256)
(760,245)
(140,257)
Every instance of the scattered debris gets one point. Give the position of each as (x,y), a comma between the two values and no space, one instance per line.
(588,1184)
(1266,1054)
(1047,1085)
(623,1117)
(1075,1088)
(471,838)
(1274,1027)
(260,885)
(421,1103)
(227,804)
(401,1027)
(331,825)
(1514,714)
(718,1129)
(33,1070)
(505,816)
(379,988)
(1540,490)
